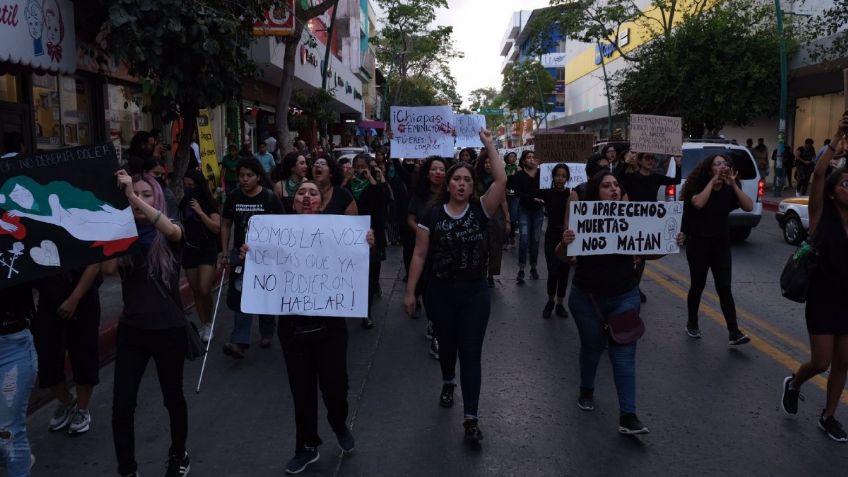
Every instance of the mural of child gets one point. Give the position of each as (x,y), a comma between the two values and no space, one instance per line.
(54,29)
(34,16)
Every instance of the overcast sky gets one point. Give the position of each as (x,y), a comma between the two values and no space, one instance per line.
(478,27)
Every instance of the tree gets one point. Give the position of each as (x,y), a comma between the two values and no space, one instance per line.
(188,54)
(302,16)
(733,84)
(525,86)
(416,55)
(486,98)
(830,24)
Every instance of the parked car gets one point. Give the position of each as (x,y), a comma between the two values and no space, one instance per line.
(753,185)
(793,217)
(348,152)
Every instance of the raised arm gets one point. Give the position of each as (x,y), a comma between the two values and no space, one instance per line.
(497,191)
(171,231)
(820,174)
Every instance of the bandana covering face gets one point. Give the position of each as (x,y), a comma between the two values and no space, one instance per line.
(358,184)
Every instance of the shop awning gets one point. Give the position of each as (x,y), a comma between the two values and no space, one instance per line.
(39,35)
(365,123)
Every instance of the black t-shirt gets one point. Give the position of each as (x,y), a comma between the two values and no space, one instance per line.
(641,188)
(527,190)
(240,208)
(418,206)
(197,235)
(17,302)
(605,275)
(712,220)
(555,203)
(456,250)
(339,202)
(372,201)
(149,302)
(54,290)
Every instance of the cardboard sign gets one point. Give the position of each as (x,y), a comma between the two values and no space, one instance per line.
(421,132)
(59,211)
(314,265)
(656,134)
(577,175)
(209,164)
(563,147)
(468,128)
(626,228)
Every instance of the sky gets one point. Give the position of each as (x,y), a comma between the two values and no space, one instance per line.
(478,27)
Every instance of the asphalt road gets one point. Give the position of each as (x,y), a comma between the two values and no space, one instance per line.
(712,410)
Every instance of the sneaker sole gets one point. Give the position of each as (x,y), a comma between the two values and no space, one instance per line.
(59,428)
(783,394)
(585,408)
(297,471)
(631,432)
(832,437)
(77,432)
(740,341)
(344,451)
(694,335)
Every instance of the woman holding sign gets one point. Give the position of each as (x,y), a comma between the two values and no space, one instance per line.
(710,193)
(450,237)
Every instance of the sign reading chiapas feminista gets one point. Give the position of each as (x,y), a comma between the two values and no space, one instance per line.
(39,34)
(59,211)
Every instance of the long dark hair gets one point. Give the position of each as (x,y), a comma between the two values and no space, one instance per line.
(422,182)
(593,187)
(336,171)
(472,153)
(443,196)
(200,192)
(557,168)
(829,235)
(700,177)
(284,170)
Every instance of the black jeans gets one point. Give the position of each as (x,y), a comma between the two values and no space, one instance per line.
(374,268)
(314,365)
(557,269)
(710,253)
(135,347)
(54,336)
(460,314)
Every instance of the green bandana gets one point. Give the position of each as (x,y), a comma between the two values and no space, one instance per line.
(358,184)
(291,187)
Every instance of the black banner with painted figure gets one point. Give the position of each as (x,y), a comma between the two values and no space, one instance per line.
(60,210)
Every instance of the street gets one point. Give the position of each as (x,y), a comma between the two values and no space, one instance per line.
(711,409)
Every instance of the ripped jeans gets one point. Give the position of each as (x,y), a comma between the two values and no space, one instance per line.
(18,368)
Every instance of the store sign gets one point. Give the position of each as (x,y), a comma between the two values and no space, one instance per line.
(603,50)
(278,21)
(554,60)
(39,34)
(306,56)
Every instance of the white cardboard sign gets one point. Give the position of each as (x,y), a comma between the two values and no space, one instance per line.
(626,228)
(577,174)
(313,265)
(468,128)
(421,132)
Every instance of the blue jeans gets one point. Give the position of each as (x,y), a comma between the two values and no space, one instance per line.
(243,322)
(593,340)
(18,368)
(512,203)
(530,228)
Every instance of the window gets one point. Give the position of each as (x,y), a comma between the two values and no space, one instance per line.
(124,114)
(45,109)
(61,111)
(9,88)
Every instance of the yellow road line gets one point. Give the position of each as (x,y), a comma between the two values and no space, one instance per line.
(792,342)
(760,344)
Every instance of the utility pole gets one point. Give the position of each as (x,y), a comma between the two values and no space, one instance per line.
(606,85)
(781,125)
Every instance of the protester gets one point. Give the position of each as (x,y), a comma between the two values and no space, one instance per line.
(152,325)
(288,176)
(329,174)
(642,185)
(265,158)
(804,167)
(202,222)
(760,152)
(18,365)
(525,183)
(469,155)
(450,237)
(371,194)
(141,148)
(617,164)
(252,198)
(429,182)
(711,192)
(347,171)
(68,321)
(556,207)
(400,181)
(825,310)
(229,164)
(156,170)
(511,168)
(788,165)
(498,223)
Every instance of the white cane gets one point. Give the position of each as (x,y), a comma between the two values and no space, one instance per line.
(212,334)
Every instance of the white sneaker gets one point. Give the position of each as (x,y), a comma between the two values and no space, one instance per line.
(62,416)
(80,422)
(205,333)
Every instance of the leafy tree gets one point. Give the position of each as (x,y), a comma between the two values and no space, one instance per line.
(717,86)
(525,86)
(188,54)
(416,55)
(830,24)
(486,98)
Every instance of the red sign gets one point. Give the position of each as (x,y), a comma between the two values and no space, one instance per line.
(279,21)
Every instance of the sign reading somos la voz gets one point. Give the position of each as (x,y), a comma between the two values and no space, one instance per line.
(627,228)
(314,265)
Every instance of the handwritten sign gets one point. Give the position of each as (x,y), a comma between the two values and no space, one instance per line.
(577,175)
(314,265)
(627,228)
(468,128)
(656,134)
(563,147)
(208,157)
(420,132)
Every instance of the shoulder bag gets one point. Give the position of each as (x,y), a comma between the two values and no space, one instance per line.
(795,278)
(623,328)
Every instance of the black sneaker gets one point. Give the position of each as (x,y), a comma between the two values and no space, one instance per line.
(367,323)
(832,428)
(534,274)
(346,441)
(560,311)
(301,459)
(790,397)
(549,308)
(490,281)
(630,425)
(738,338)
(692,331)
(434,349)
(472,431)
(178,466)
(586,400)
(520,279)
(446,398)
